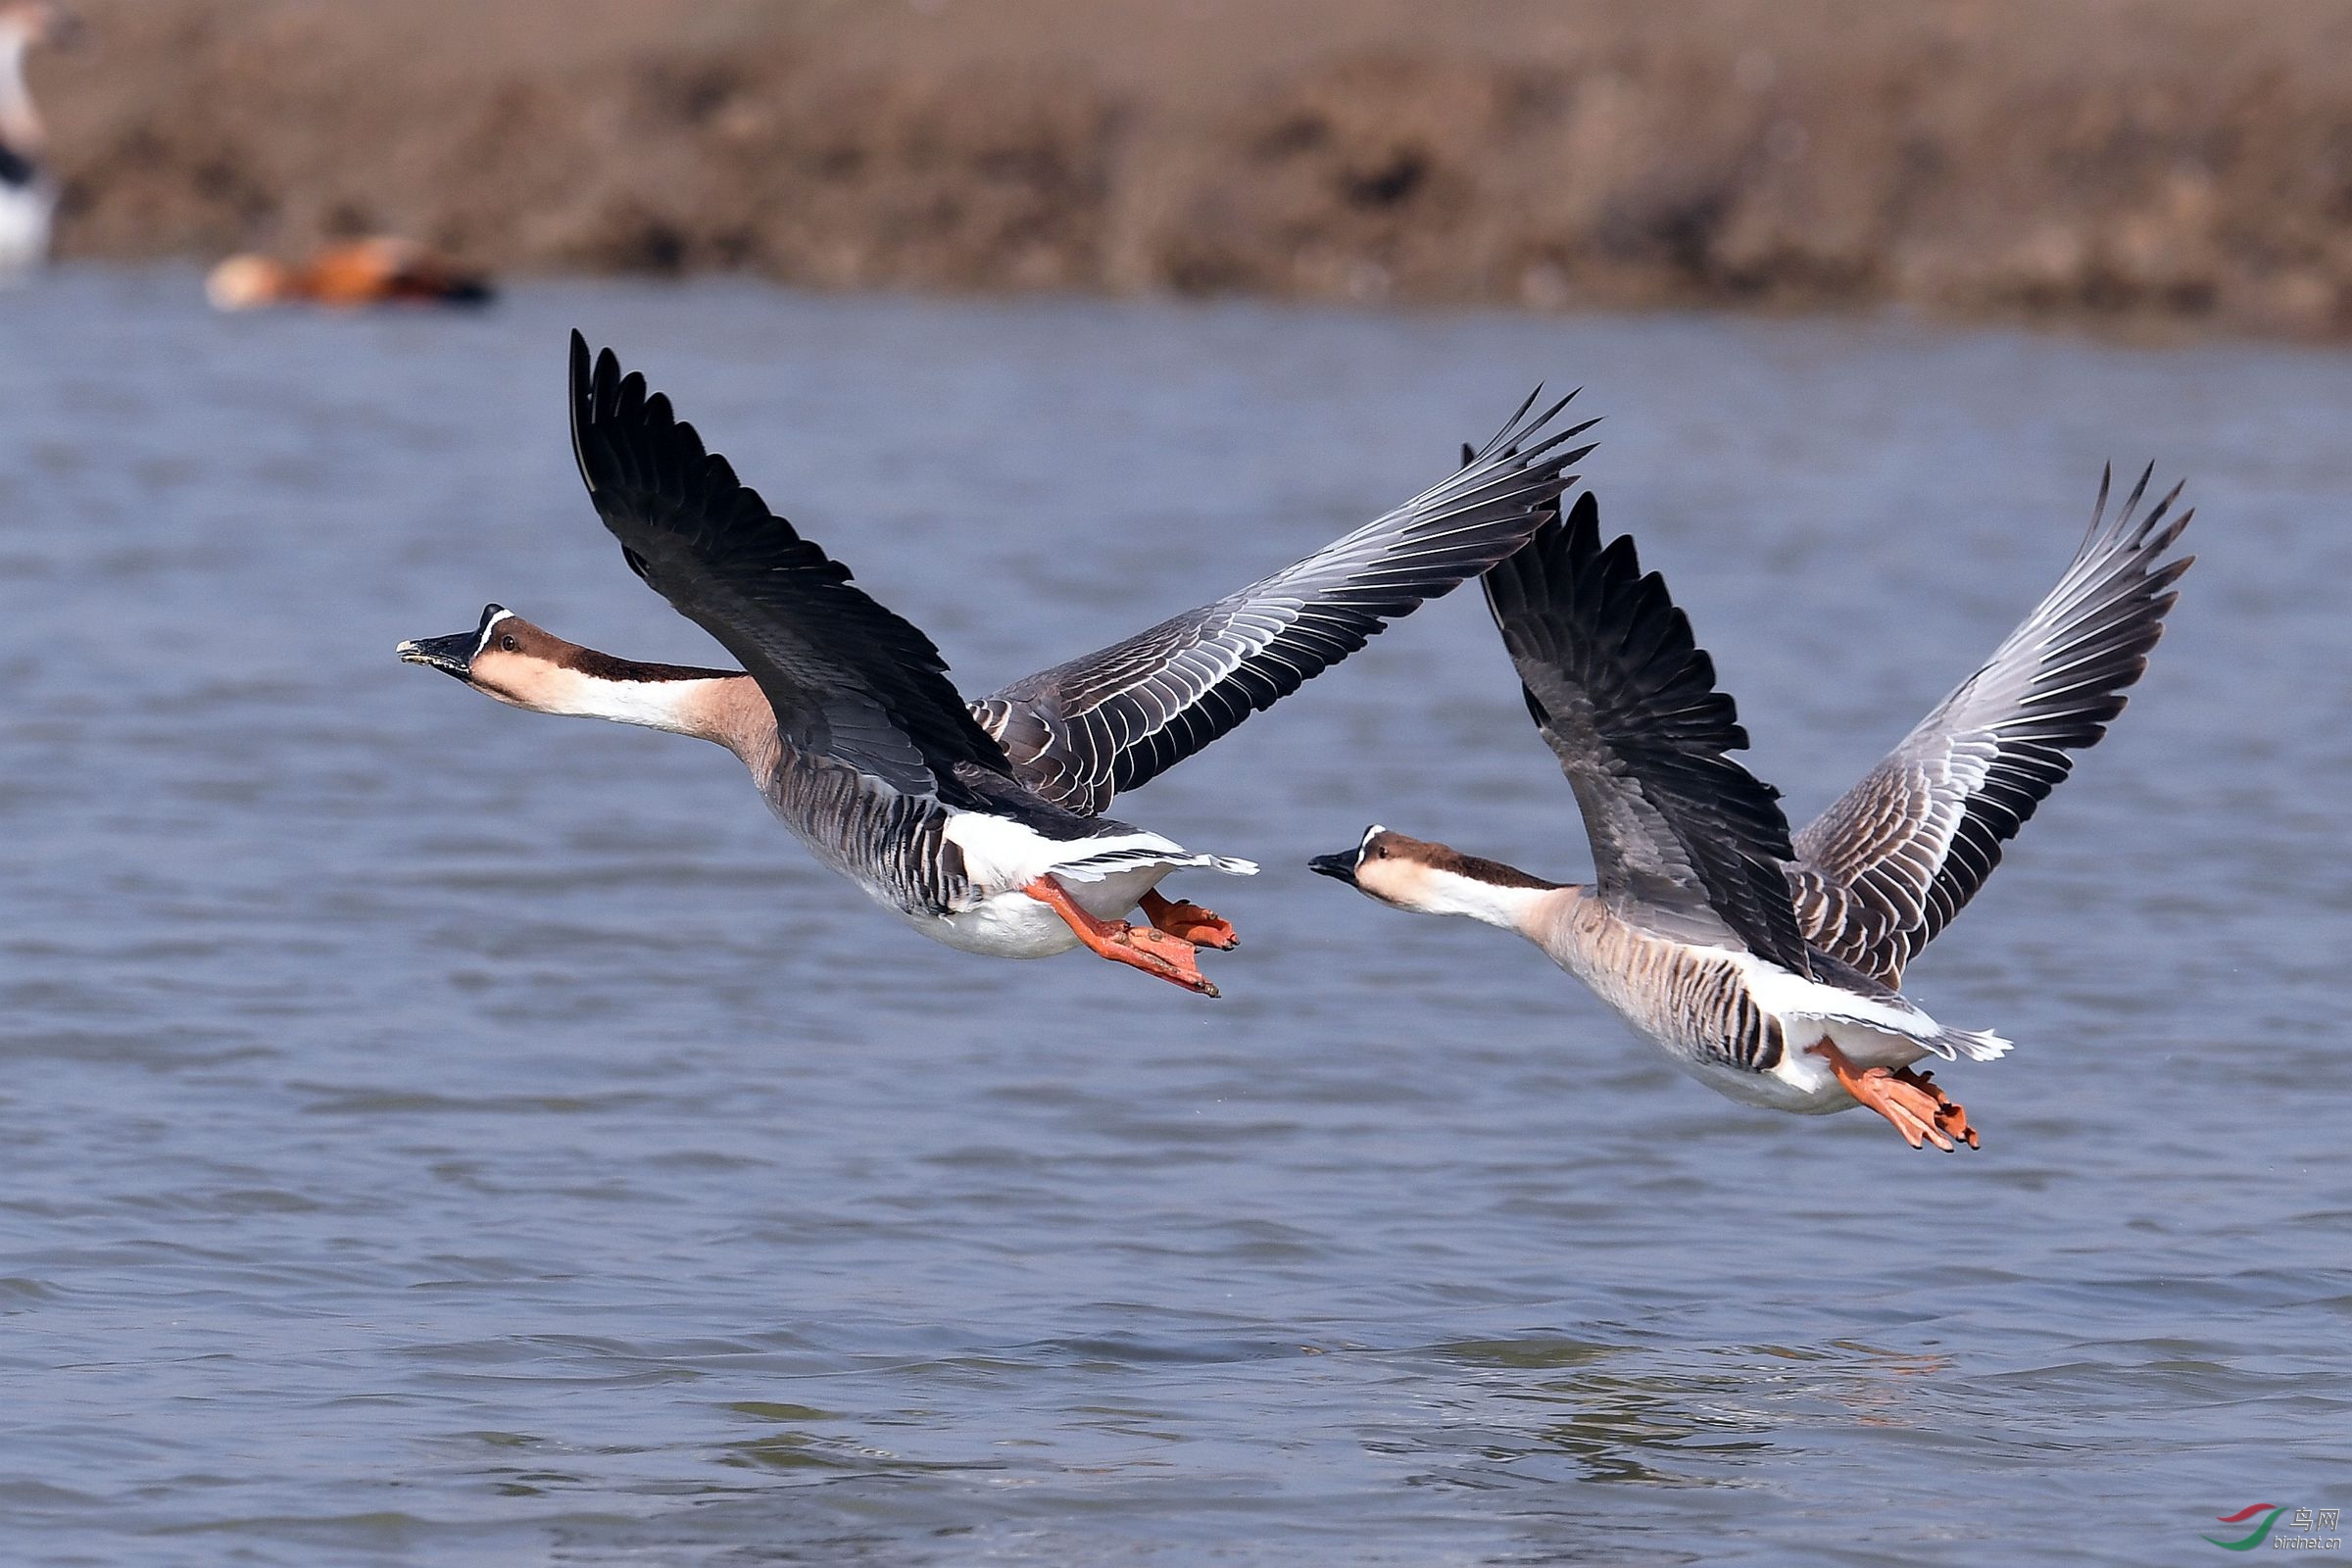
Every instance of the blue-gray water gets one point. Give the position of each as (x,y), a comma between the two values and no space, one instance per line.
(435,1133)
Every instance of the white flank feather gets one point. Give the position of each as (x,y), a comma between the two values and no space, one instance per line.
(1006,854)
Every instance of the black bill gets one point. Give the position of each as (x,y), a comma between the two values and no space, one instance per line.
(1340,867)
(452,655)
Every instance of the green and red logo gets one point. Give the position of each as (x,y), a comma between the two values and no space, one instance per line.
(2310,1530)
(2261,1531)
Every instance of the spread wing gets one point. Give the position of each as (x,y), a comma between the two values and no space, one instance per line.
(848,679)
(1890,865)
(1628,702)
(1081,732)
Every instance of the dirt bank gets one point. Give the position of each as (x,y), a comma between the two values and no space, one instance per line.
(2159,159)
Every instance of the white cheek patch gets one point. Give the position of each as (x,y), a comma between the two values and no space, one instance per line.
(1365,842)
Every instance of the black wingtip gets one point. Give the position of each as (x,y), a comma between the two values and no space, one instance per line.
(2150,531)
(578,373)
(608,384)
(1548,448)
(1548,415)
(2138,490)
(579,381)
(2098,510)
(1520,427)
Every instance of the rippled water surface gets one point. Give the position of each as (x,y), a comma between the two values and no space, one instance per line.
(435,1133)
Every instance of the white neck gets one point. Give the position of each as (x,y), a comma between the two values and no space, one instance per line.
(1438,892)
(20,126)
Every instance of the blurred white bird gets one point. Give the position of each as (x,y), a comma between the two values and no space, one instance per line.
(28,195)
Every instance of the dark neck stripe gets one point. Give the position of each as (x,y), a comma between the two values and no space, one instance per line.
(604,666)
(1492,872)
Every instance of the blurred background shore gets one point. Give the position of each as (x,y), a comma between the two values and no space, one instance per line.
(2140,163)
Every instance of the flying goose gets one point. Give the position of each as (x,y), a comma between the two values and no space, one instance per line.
(980,825)
(1767,965)
(28,195)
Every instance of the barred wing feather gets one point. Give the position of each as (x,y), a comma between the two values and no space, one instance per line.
(1889,865)
(1084,731)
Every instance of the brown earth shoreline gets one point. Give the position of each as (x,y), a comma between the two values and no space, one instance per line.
(2125,160)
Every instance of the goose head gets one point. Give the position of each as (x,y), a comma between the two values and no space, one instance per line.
(518,663)
(1429,878)
(507,659)
(1380,865)
(497,646)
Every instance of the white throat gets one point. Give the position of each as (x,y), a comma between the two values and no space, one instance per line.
(1437,891)
(675,706)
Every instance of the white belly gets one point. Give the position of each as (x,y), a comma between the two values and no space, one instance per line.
(1802,1082)
(1015,925)
(1789,1086)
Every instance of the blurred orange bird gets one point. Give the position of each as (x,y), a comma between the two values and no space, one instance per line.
(368,272)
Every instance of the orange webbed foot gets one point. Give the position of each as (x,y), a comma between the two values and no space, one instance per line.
(1912,1101)
(1166,954)
(1951,1117)
(1140,946)
(1191,922)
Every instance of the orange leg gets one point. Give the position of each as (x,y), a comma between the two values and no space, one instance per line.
(1912,1100)
(1191,922)
(1146,948)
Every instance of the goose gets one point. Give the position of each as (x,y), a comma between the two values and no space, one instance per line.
(367,272)
(28,195)
(979,823)
(1769,966)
